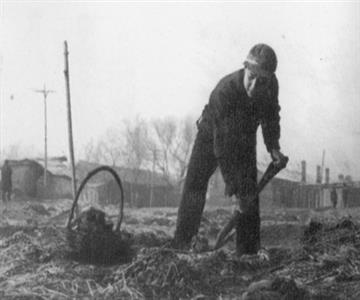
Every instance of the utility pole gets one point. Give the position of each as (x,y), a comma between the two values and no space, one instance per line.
(45,93)
(154,153)
(322,165)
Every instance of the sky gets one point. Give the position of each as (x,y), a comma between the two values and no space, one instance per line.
(157,59)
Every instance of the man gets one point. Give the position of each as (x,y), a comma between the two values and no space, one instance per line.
(333,197)
(227,138)
(345,195)
(6,183)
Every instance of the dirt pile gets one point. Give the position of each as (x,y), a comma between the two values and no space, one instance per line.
(35,263)
(160,273)
(331,260)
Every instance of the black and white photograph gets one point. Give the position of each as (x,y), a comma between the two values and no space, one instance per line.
(179,150)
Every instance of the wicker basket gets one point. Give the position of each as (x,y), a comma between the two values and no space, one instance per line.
(90,238)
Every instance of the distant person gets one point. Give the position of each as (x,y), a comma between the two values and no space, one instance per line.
(226,138)
(6,183)
(345,194)
(333,197)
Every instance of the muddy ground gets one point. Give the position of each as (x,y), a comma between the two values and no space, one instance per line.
(306,255)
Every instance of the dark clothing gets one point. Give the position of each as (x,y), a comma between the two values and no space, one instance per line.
(6,172)
(6,183)
(231,119)
(202,165)
(333,198)
(227,138)
(345,196)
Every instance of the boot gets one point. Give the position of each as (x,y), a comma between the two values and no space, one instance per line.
(248,235)
(253,238)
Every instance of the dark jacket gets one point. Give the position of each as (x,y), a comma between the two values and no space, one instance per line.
(333,197)
(231,120)
(6,173)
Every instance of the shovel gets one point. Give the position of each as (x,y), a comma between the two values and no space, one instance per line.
(273,169)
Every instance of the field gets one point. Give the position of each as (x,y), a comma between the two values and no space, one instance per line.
(306,255)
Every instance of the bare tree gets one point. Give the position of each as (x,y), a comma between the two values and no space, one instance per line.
(12,151)
(187,132)
(113,146)
(88,150)
(164,147)
(174,139)
(136,150)
(136,137)
(93,151)
(165,131)
(108,149)
(18,151)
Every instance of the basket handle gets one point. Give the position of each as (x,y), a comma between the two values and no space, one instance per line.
(82,185)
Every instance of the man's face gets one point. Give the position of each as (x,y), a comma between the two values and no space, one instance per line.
(255,84)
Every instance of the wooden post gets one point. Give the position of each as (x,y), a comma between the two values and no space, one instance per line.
(318,174)
(69,121)
(303,171)
(152,179)
(45,93)
(45,144)
(327,175)
(322,166)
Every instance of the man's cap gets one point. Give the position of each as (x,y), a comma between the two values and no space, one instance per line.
(261,60)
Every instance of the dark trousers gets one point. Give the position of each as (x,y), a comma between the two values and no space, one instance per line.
(202,165)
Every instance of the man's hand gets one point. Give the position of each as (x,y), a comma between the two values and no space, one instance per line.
(277,156)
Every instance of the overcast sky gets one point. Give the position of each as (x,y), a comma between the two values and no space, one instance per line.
(158,59)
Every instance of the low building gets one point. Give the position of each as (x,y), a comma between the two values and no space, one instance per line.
(58,179)
(141,187)
(287,191)
(25,174)
(277,193)
(28,179)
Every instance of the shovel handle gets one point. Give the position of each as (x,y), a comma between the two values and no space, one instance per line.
(270,173)
(222,236)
